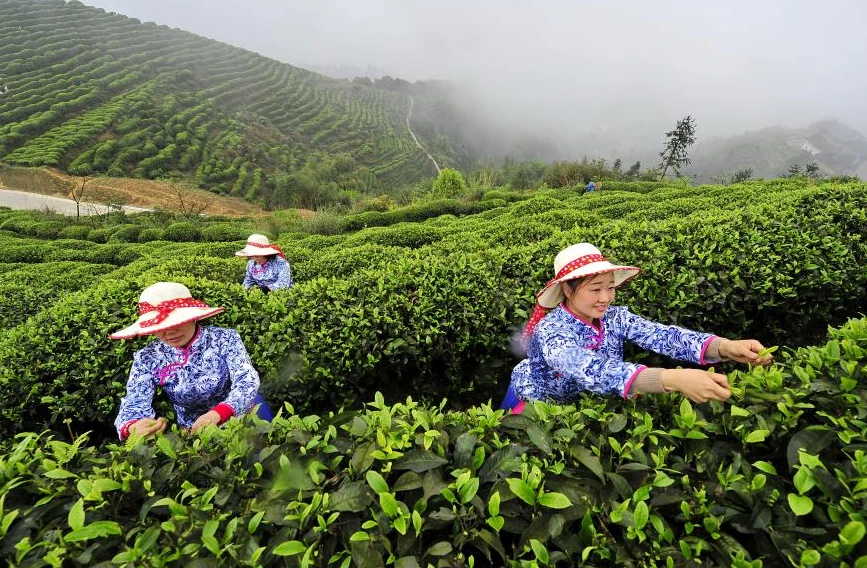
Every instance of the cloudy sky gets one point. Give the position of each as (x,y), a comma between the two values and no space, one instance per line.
(625,69)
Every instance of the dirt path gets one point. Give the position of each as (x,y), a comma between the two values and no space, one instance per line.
(411,133)
(137,193)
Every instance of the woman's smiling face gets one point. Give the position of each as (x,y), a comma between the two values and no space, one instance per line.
(591,298)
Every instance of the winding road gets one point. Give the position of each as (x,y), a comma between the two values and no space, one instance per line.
(411,133)
(65,206)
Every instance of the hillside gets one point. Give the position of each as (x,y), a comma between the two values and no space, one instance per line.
(834,147)
(95,92)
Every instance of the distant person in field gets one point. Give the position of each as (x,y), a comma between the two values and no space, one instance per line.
(267,268)
(591,187)
(574,341)
(204,371)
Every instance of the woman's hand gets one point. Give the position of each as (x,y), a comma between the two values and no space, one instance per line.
(148,426)
(743,351)
(697,385)
(210,418)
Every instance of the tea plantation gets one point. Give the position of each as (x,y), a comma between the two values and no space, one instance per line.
(388,359)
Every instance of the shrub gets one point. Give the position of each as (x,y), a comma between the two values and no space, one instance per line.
(222,232)
(150,234)
(126,234)
(774,475)
(21,224)
(323,223)
(508,196)
(449,184)
(47,229)
(182,233)
(79,232)
(101,235)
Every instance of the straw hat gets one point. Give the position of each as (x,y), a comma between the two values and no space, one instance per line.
(259,245)
(578,261)
(165,305)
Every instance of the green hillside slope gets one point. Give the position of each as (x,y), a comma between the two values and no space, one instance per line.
(97,92)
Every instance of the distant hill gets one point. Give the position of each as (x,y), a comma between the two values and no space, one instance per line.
(834,147)
(96,92)
(460,130)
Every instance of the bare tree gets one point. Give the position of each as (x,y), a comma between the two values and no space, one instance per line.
(76,193)
(189,201)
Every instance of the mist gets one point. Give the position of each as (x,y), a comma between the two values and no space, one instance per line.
(594,77)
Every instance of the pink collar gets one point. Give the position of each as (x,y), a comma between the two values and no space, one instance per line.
(582,320)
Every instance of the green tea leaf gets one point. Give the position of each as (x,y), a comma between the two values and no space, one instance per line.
(756,436)
(76,515)
(376,481)
(800,504)
(389,504)
(496,522)
(468,490)
(352,497)
(852,533)
(494,504)
(289,548)
(522,490)
(96,529)
(640,515)
(767,351)
(440,549)
(419,461)
(540,551)
(554,500)
(59,473)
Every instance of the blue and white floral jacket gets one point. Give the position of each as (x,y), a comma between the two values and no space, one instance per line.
(274,274)
(213,372)
(567,355)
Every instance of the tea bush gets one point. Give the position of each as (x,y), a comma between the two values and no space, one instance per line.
(126,234)
(774,477)
(181,232)
(150,234)
(438,320)
(79,232)
(34,287)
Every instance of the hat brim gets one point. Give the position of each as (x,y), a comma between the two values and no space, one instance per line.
(552,294)
(250,251)
(178,317)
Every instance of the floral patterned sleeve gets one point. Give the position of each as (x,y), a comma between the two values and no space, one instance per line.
(245,379)
(248,276)
(138,402)
(583,369)
(284,275)
(670,340)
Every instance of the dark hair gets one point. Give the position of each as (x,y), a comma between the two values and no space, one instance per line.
(575,282)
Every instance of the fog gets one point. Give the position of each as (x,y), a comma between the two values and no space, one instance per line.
(619,72)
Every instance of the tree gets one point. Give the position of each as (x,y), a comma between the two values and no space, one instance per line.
(189,202)
(812,170)
(450,183)
(739,176)
(634,170)
(76,193)
(674,155)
